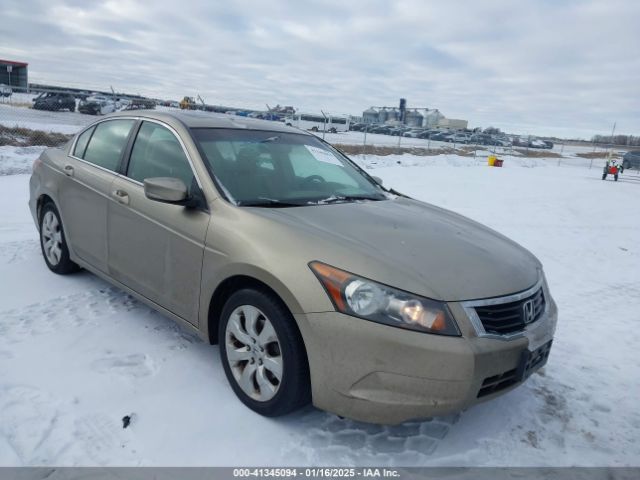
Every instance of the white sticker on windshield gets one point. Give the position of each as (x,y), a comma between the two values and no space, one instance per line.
(323,155)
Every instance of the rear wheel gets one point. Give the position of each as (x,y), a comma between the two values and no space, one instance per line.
(53,242)
(604,175)
(615,177)
(262,353)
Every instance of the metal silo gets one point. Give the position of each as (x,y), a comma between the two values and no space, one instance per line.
(370,115)
(432,117)
(413,118)
(392,115)
(382,115)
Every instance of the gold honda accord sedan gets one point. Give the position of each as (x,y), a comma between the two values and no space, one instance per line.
(318,283)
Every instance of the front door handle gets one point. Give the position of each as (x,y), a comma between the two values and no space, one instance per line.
(68,170)
(121,196)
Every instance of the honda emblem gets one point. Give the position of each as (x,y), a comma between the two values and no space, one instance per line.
(528,311)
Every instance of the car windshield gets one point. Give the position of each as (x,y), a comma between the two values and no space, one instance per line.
(276,169)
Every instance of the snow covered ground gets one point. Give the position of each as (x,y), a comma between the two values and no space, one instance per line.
(77,355)
(61,122)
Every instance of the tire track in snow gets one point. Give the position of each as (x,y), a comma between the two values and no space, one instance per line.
(328,437)
(13,252)
(63,312)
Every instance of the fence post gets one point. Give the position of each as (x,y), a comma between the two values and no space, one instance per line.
(324,125)
(364,143)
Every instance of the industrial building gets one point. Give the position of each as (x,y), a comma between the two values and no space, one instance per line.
(413,117)
(14,74)
(452,123)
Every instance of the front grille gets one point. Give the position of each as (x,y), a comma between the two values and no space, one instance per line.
(529,363)
(511,317)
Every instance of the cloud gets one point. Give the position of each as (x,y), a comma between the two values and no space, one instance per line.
(547,67)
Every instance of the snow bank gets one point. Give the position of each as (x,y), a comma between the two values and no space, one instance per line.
(15,160)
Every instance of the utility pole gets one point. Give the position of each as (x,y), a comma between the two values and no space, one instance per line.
(324,125)
(613,130)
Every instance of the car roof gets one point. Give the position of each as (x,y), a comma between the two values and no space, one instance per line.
(200,119)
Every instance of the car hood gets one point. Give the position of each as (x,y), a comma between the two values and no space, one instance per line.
(410,245)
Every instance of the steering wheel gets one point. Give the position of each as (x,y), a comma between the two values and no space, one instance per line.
(313,180)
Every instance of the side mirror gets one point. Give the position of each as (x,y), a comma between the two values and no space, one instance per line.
(166,190)
(378,180)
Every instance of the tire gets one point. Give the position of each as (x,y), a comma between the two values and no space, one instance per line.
(53,242)
(604,175)
(279,396)
(615,177)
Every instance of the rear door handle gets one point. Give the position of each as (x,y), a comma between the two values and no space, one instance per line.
(68,170)
(121,196)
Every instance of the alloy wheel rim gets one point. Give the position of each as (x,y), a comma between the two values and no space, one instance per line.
(253,353)
(52,238)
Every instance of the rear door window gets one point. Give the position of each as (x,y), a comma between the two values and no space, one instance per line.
(108,142)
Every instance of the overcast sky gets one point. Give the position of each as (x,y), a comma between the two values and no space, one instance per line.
(527,66)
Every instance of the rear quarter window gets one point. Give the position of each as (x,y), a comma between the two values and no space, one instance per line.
(107,143)
(81,144)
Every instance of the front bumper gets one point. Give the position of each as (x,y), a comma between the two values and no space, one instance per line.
(375,373)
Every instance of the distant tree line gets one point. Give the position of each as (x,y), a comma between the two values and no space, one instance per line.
(617,139)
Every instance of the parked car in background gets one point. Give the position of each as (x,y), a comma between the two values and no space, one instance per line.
(55,101)
(97,105)
(5,90)
(458,138)
(439,136)
(518,141)
(548,144)
(138,104)
(413,133)
(398,131)
(317,283)
(631,160)
(537,143)
(384,129)
(502,141)
(428,134)
(482,139)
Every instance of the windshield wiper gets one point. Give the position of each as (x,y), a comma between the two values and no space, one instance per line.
(268,203)
(349,198)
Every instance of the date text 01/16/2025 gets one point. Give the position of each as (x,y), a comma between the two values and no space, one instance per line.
(315,472)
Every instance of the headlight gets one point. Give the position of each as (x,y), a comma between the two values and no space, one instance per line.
(360,297)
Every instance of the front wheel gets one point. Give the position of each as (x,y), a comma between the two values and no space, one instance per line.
(262,353)
(604,175)
(615,177)
(53,242)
